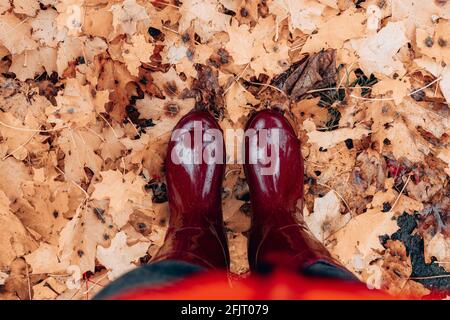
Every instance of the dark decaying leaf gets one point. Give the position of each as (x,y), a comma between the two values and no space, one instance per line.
(312,72)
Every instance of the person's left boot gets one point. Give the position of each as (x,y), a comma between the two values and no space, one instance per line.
(274,171)
(195,232)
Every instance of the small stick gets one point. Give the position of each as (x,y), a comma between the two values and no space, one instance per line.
(400,194)
(337,193)
(31,130)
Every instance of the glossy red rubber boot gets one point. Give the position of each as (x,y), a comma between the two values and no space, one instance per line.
(195,232)
(278,235)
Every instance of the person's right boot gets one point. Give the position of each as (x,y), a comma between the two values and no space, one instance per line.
(195,234)
(278,236)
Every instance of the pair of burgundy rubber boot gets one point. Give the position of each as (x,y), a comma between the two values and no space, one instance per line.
(277,236)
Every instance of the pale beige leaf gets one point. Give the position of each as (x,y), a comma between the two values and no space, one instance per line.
(398,88)
(126,16)
(15,34)
(136,53)
(335,31)
(119,257)
(377,53)
(359,239)
(326,217)
(45,260)
(122,191)
(437,70)
(328,139)
(27,7)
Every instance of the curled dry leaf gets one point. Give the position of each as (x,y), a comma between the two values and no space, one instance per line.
(314,72)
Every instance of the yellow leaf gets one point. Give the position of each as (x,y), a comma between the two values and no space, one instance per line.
(400,88)
(139,51)
(237,99)
(121,191)
(119,257)
(335,31)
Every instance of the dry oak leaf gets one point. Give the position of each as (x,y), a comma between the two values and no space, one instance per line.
(26,7)
(126,16)
(405,142)
(377,52)
(45,29)
(15,34)
(15,241)
(98,22)
(328,139)
(79,239)
(358,242)
(305,15)
(236,101)
(335,31)
(435,44)
(19,145)
(420,115)
(204,16)
(312,72)
(79,147)
(419,13)
(326,217)
(31,63)
(400,88)
(136,53)
(45,260)
(256,47)
(439,247)
(119,257)
(439,71)
(122,191)
(4,5)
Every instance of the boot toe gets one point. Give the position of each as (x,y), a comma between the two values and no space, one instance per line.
(269,119)
(204,117)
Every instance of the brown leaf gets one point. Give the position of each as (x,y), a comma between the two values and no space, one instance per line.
(114,76)
(313,72)
(206,90)
(147,85)
(18,280)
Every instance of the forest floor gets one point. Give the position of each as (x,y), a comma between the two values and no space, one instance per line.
(91,89)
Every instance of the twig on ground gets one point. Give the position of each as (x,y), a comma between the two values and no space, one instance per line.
(30,129)
(400,194)
(393,99)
